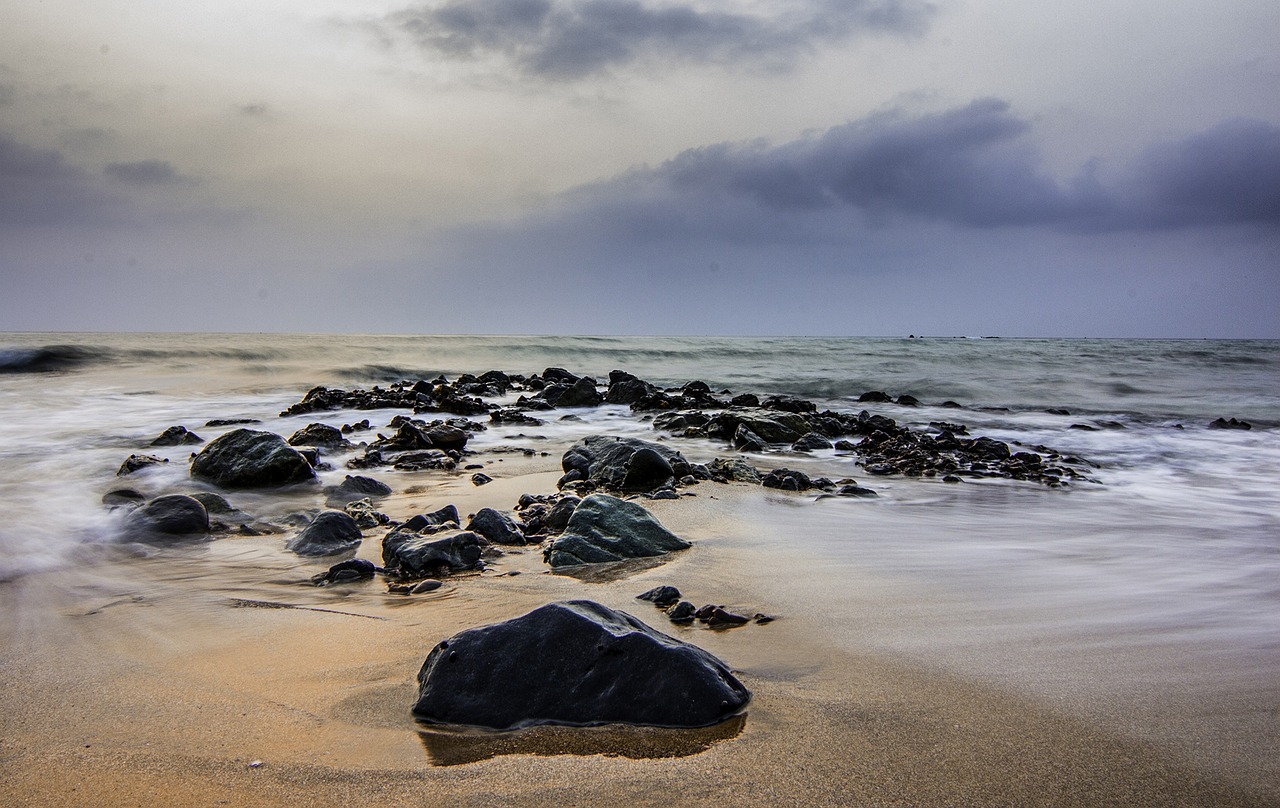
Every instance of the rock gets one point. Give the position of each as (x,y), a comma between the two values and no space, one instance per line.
(682,613)
(607,667)
(906,400)
(661,596)
(777,427)
(123,497)
(497,527)
(810,442)
(745,400)
(480,478)
(322,435)
(174,515)
(787,480)
(718,617)
(605,528)
(622,464)
(446,437)
(135,462)
(423,521)
(855,491)
(355,569)
(734,469)
(425,585)
(365,514)
(747,441)
(627,389)
(581,393)
(875,397)
(215,422)
(213,503)
(1230,423)
(177,436)
(330,533)
(356,487)
(246,458)
(412,555)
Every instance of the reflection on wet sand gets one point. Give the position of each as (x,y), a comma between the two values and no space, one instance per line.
(451,747)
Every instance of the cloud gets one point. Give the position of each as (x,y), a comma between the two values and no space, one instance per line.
(572,39)
(145,173)
(39,187)
(1227,174)
(970,167)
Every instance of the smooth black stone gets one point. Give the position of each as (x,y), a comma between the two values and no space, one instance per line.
(163,518)
(177,436)
(604,529)
(434,519)
(245,458)
(135,462)
(330,533)
(322,435)
(414,555)
(497,527)
(576,663)
(662,596)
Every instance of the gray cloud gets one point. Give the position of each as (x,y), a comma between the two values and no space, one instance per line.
(573,39)
(1227,174)
(145,173)
(39,187)
(971,167)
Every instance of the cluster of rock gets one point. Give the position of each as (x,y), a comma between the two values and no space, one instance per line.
(683,612)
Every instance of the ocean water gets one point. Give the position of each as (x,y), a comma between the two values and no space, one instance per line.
(1158,583)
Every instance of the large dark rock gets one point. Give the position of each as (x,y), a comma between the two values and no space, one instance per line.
(247,458)
(623,464)
(497,527)
(322,435)
(330,533)
(166,518)
(177,436)
(355,487)
(576,663)
(581,393)
(413,555)
(605,528)
(134,462)
(426,521)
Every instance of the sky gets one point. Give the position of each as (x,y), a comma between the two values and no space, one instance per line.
(798,167)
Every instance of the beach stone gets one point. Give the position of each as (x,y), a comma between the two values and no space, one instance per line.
(625,388)
(682,613)
(777,427)
(356,487)
(810,442)
(135,462)
(177,436)
(733,468)
(330,533)
(169,516)
(875,397)
(855,491)
(497,527)
(661,596)
(1229,423)
(123,497)
(413,555)
(246,458)
(424,521)
(355,569)
(622,464)
(322,435)
(605,528)
(787,480)
(607,667)
(480,478)
(365,514)
(213,503)
(580,393)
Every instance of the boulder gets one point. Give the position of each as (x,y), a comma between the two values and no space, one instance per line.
(135,462)
(574,663)
(661,596)
(168,517)
(605,528)
(177,436)
(355,487)
(623,464)
(734,469)
(811,442)
(246,458)
(412,555)
(330,533)
(581,393)
(497,527)
(322,435)
(425,521)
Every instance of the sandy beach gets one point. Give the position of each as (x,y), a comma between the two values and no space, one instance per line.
(215,675)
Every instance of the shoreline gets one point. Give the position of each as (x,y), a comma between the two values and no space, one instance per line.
(153,686)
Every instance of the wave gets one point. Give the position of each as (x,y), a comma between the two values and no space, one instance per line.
(48,358)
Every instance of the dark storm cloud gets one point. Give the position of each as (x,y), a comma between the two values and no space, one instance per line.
(1227,174)
(39,187)
(970,167)
(572,39)
(144,173)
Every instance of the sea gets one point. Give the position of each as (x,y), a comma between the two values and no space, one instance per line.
(1155,585)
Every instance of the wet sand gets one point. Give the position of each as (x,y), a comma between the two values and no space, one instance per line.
(215,676)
